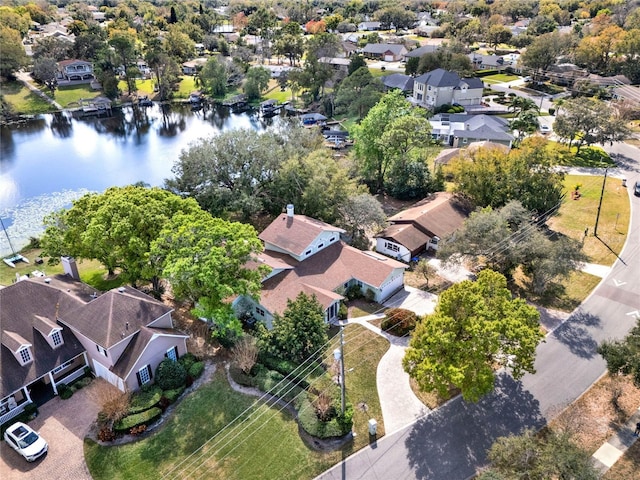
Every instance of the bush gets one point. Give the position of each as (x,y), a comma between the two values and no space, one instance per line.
(275,383)
(196,369)
(106,435)
(552,111)
(83,382)
(399,321)
(370,295)
(343,311)
(64,391)
(187,360)
(145,399)
(130,421)
(353,292)
(335,427)
(170,374)
(172,395)
(285,367)
(30,409)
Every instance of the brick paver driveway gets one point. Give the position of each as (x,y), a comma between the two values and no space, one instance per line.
(64,424)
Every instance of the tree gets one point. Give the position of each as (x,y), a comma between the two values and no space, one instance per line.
(425,269)
(178,44)
(10,18)
(234,171)
(116,228)
(290,46)
(358,93)
(262,21)
(446,59)
(300,333)
(623,356)
(397,16)
(369,149)
(360,214)
(13,56)
(257,82)
(357,61)
(124,44)
(245,353)
(492,177)
(52,47)
(164,66)
(214,77)
(316,73)
(205,259)
(45,70)
(476,327)
(332,21)
(543,51)
(497,34)
(539,457)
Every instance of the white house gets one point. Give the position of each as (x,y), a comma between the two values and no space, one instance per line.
(307,255)
(441,87)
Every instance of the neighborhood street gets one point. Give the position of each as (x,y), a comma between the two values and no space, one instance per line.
(452,441)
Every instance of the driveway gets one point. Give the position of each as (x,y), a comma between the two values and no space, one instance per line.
(64,424)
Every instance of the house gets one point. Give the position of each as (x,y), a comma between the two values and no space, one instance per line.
(339,64)
(369,26)
(307,255)
(398,81)
(387,52)
(75,70)
(420,51)
(54,327)
(460,129)
(628,93)
(192,66)
(441,87)
(487,62)
(421,227)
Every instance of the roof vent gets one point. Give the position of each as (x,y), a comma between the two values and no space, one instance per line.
(47,280)
(290,210)
(121,289)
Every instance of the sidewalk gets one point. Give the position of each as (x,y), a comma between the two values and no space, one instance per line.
(25,78)
(611,451)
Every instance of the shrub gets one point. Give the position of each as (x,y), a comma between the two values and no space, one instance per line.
(64,391)
(170,374)
(370,295)
(245,353)
(130,421)
(399,321)
(106,435)
(145,399)
(187,360)
(138,430)
(172,395)
(552,111)
(343,311)
(31,409)
(354,292)
(196,369)
(335,427)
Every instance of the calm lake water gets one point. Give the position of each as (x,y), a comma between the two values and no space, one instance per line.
(50,161)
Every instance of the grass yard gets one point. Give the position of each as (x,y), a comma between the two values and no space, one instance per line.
(70,95)
(24,101)
(186,86)
(91,271)
(577,215)
(499,78)
(275,93)
(270,448)
(143,87)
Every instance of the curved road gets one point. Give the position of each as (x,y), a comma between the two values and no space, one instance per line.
(451,442)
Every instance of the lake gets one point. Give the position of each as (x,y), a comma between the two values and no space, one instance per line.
(53,159)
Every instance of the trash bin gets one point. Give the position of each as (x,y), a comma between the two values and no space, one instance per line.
(624,182)
(373,427)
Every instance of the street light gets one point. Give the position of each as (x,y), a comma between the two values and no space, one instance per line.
(338,354)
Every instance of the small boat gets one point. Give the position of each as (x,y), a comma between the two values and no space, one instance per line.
(144,101)
(10,261)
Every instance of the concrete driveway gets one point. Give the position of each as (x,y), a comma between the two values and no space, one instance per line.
(64,424)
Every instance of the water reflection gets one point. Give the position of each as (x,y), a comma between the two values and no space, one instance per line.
(53,158)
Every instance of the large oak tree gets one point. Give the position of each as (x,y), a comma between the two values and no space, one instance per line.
(476,327)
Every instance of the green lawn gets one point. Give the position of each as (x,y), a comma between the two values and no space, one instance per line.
(143,87)
(499,78)
(70,95)
(576,215)
(22,100)
(91,271)
(186,86)
(270,448)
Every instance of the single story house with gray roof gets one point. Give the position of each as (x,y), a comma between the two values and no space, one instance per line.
(388,52)
(459,129)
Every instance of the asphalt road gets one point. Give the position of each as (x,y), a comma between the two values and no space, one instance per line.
(450,443)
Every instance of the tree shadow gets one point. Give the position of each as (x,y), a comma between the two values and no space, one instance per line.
(624,162)
(574,334)
(453,441)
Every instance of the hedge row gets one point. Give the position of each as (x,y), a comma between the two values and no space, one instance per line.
(145,399)
(142,418)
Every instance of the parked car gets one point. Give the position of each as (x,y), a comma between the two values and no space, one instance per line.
(545,129)
(636,189)
(24,440)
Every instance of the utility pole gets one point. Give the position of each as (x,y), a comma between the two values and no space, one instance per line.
(338,354)
(604,181)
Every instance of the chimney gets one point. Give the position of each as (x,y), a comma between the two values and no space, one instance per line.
(70,267)
(290,210)
(121,289)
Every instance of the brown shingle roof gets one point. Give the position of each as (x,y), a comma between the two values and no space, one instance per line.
(295,233)
(324,272)
(112,316)
(20,303)
(405,234)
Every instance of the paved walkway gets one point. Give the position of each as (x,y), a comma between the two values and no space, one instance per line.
(25,78)
(611,451)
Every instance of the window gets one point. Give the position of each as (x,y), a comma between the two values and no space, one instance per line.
(429,88)
(62,367)
(172,354)
(419,96)
(56,338)
(391,246)
(260,311)
(25,355)
(332,239)
(144,375)
(102,350)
